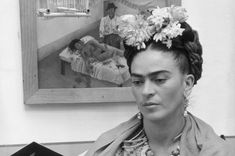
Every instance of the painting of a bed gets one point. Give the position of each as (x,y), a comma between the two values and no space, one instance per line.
(113,70)
(61,68)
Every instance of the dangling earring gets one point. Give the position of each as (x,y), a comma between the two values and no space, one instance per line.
(185,104)
(185,111)
(139,116)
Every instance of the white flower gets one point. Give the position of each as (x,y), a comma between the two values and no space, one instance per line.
(168,43)
(179,14)
(135,30)
(168,33)
(163,25)
(159,37)
(173,30)
(161,12)
(159,17)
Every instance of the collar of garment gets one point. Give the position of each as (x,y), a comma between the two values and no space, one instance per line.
(197,138)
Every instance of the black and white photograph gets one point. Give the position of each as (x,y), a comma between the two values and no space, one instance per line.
(117,78)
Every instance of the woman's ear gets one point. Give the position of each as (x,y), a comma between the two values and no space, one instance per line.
(188,84)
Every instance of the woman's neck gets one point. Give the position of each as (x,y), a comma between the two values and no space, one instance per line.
(162,133)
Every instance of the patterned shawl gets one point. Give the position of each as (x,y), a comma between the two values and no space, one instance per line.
(198,139)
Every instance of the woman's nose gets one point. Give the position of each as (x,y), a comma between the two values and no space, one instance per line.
(148,88)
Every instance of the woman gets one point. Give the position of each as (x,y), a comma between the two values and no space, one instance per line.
(164,56)
(94,57)
(75,46)
(92,49)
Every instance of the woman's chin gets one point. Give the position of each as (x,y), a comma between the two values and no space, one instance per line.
(155,116)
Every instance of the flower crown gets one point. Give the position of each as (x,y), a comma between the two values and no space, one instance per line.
(163,25)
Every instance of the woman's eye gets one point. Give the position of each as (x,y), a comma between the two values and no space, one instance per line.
(137,82)
(160,81)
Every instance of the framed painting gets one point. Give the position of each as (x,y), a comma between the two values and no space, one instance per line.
(50,76)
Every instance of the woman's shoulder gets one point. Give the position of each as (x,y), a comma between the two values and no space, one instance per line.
(122,127)
(217,147)
(206,139)
(203,131)
(114,135)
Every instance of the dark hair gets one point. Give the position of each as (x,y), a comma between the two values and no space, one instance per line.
(186,49)
(72,44)
(110,6)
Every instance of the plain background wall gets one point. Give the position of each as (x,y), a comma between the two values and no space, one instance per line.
(51,29)
(212,99)
(54,33)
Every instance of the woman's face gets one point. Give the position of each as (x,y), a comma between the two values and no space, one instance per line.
(79,45)
(158,84)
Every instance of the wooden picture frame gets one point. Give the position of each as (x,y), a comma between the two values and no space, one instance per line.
(33,94)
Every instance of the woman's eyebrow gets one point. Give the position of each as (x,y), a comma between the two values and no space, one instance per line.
(150,74)
(159,72)
(136,75)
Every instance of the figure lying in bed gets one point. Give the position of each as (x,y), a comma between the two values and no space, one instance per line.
(92,51)
(97,60)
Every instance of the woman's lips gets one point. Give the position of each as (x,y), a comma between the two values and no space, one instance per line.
(147,104)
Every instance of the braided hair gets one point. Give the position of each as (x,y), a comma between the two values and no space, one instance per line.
(186,49)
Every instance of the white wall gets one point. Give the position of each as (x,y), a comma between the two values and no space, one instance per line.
(212,99)
(52,29)
(53,33)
